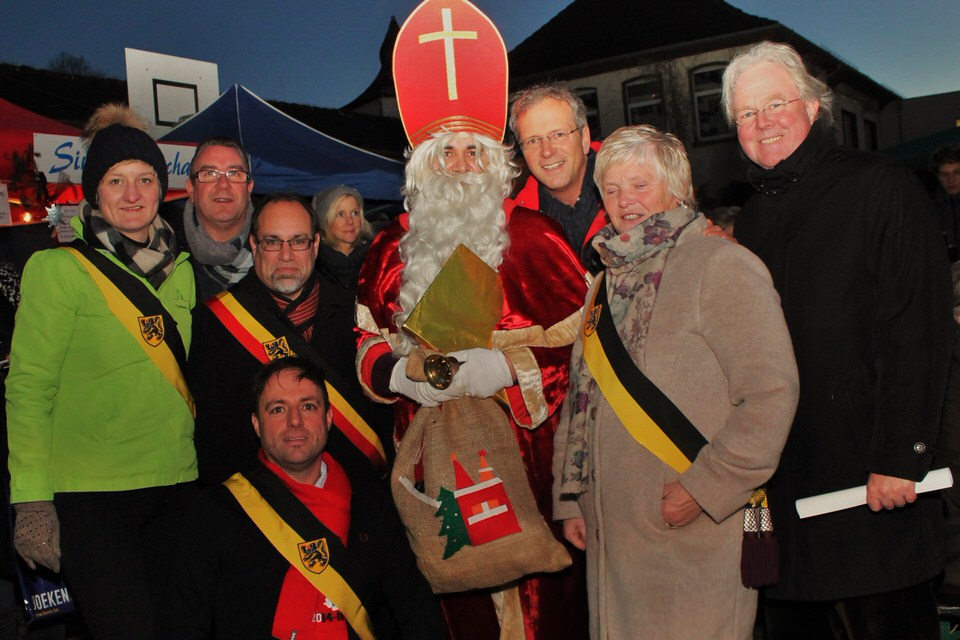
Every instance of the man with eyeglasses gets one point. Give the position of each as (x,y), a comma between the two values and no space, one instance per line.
(854,251)
(283,307)
(549,122)
(215,221)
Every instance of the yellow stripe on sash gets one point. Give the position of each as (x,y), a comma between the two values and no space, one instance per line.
(286,541)
(339,403)
(243,316)
(634,419)
(128,315)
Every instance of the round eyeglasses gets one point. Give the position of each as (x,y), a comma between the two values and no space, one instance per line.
(772,108)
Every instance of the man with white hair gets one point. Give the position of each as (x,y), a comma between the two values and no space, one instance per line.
(851,242)
(457,176)
(456,183)
(455,186)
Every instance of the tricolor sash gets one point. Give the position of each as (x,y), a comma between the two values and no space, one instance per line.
(646,413)
(303,540)
(141,313)
(266,338)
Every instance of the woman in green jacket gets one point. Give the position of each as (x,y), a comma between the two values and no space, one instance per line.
(100,422)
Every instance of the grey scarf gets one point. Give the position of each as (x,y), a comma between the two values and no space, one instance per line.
(225,262)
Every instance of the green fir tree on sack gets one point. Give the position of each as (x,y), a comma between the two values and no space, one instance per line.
(452,525)
(490,515)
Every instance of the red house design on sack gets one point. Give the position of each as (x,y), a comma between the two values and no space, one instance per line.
(484,505)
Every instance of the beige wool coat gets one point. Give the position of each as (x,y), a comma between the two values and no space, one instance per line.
(718,347)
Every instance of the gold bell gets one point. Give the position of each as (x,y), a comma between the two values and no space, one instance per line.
(440,369)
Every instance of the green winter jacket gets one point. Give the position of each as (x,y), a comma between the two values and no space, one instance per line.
(87,410)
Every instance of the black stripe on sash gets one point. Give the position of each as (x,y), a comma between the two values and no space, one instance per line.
(301,520)
(139,295)
(350,392)
(645,393)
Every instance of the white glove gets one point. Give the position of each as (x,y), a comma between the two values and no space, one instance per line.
(36,534)
(422,392)
(483,372)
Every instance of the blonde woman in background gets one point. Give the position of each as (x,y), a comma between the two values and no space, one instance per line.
(344,232)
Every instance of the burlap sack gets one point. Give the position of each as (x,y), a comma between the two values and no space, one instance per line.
(473,522)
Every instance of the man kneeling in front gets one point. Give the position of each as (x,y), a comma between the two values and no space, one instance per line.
(297,547)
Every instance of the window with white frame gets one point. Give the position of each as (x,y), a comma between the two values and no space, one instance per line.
(590,101)
(707,87)
(643,101)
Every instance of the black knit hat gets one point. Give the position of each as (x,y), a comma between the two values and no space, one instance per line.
(118,143)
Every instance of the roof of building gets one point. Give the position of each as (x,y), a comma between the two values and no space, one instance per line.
(643,31)
(591,30)
(382,85)
(597,36)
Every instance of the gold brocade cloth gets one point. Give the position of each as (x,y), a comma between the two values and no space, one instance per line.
(461,307)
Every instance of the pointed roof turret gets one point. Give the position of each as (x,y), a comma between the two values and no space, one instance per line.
(382,86)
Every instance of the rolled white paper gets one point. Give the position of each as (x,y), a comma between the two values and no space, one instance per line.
(856,496)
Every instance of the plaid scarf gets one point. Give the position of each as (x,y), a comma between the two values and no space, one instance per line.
(226,262)
(153,260)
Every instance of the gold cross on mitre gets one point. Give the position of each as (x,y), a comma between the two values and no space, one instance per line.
(465,89)
(448,35)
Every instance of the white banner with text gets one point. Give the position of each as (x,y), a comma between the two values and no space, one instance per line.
(61,158)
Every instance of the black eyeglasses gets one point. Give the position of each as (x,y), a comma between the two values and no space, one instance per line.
(299,243)
(555,137)
(212,175)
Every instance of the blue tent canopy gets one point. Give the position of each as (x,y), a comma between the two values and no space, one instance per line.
(288,155)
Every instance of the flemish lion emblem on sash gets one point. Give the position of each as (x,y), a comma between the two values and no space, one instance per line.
(314,555)
(591,325)
(276,349)
(151,328)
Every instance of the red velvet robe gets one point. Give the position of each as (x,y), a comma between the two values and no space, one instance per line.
(543,285)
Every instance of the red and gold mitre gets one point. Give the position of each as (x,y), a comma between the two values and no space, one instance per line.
(450,71)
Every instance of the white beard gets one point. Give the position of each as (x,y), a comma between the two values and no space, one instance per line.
(445,212)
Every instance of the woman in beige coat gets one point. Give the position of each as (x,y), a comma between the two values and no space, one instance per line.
(698,315)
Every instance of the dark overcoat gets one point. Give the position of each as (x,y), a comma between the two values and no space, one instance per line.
(851,241)
(220,372)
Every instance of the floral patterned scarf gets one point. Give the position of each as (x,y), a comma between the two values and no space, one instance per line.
(634,265)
